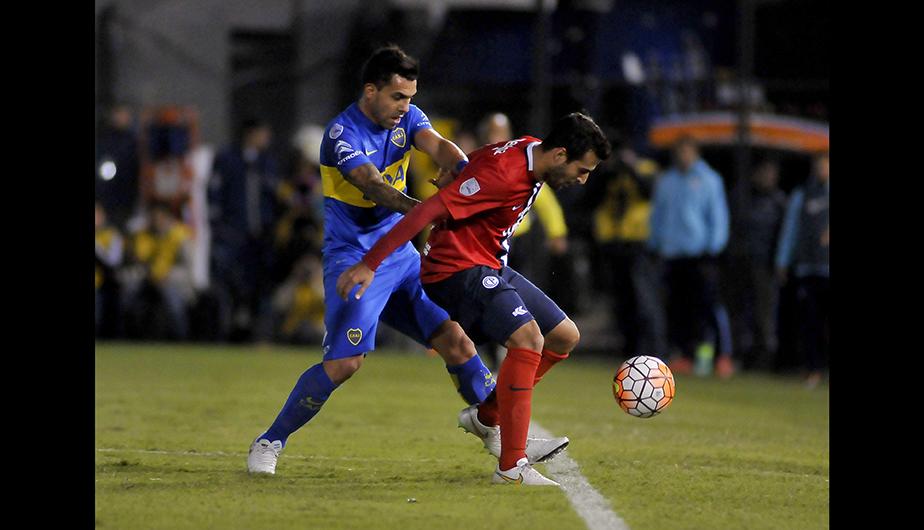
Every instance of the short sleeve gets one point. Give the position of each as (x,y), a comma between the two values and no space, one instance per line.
(342,149)
(480,187)
(417,121)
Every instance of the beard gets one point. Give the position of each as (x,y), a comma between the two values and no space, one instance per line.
(557,178)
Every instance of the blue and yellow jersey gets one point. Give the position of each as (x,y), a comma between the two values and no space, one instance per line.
(351,222)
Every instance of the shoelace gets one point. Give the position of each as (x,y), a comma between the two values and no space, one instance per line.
(263,450)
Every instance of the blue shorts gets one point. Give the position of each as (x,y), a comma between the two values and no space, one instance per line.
(395,296)
(490,304)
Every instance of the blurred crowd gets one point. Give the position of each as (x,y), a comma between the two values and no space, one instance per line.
(714,274)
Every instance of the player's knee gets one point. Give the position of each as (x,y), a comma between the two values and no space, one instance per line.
(527,337)
(339,370)
(564,337)
(453,345)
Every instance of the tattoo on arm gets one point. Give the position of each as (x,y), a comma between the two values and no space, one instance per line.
(368,179)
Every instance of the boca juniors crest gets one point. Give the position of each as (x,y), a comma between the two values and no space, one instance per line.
(354,336)
(398,137)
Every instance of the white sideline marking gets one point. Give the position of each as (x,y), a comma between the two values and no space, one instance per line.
(593,508)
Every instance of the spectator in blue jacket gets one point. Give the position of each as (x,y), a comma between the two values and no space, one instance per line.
(242,212)
(803,248)
(757,208)
(689,228)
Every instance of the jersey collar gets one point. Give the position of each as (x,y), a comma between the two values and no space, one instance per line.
(529,159)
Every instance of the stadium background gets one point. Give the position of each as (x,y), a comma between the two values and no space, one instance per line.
(176,80)
(177,402)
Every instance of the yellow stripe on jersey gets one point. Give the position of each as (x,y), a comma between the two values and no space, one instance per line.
(337,187)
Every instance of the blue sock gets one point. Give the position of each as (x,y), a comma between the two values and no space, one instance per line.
(473,380)
(310,392)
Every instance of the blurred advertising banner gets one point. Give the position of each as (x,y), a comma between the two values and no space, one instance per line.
(721,128)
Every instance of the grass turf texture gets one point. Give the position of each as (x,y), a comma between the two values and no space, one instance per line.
(173,425)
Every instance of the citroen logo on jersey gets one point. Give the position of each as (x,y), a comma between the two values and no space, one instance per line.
(490,282)
(354,336)
(342,147)
(398,137)
(519,311)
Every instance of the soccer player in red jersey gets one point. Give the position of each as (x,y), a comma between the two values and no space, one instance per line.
(464,270)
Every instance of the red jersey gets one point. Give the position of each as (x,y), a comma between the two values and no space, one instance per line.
(487,202)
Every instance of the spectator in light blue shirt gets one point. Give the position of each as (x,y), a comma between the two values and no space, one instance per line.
(689,228)
(690,215)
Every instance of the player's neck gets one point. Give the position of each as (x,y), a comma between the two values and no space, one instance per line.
(367,112)
(542,161)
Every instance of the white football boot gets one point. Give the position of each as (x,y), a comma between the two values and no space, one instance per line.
(522,474)
(537,449)
(263,455)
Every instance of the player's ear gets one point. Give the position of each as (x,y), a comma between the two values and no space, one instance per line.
(561,155)
(369,90)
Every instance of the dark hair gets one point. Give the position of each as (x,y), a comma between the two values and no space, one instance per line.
(578,134)
(387,61)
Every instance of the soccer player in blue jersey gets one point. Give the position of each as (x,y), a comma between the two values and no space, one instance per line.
(364,159)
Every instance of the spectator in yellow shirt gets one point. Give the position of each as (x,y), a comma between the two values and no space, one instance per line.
(161,275)
(109,245)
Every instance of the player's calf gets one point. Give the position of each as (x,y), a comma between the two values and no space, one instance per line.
(453,345)
(472,379)
(311,391)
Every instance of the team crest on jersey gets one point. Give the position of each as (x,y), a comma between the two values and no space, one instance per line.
(398,137)
(336,131)
(469,187)
(354,336)
(490,282)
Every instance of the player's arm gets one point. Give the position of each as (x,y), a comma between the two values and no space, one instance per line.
(447,155)
(362,274)
(368,179)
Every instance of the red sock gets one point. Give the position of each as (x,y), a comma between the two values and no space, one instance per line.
(488,413)
(514,400)
(549,359)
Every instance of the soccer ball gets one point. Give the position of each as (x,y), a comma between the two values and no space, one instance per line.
(643,386)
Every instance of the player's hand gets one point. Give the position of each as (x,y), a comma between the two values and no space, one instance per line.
(443,178)
(359,274)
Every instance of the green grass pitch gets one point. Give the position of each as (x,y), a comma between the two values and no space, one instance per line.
(174,422)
